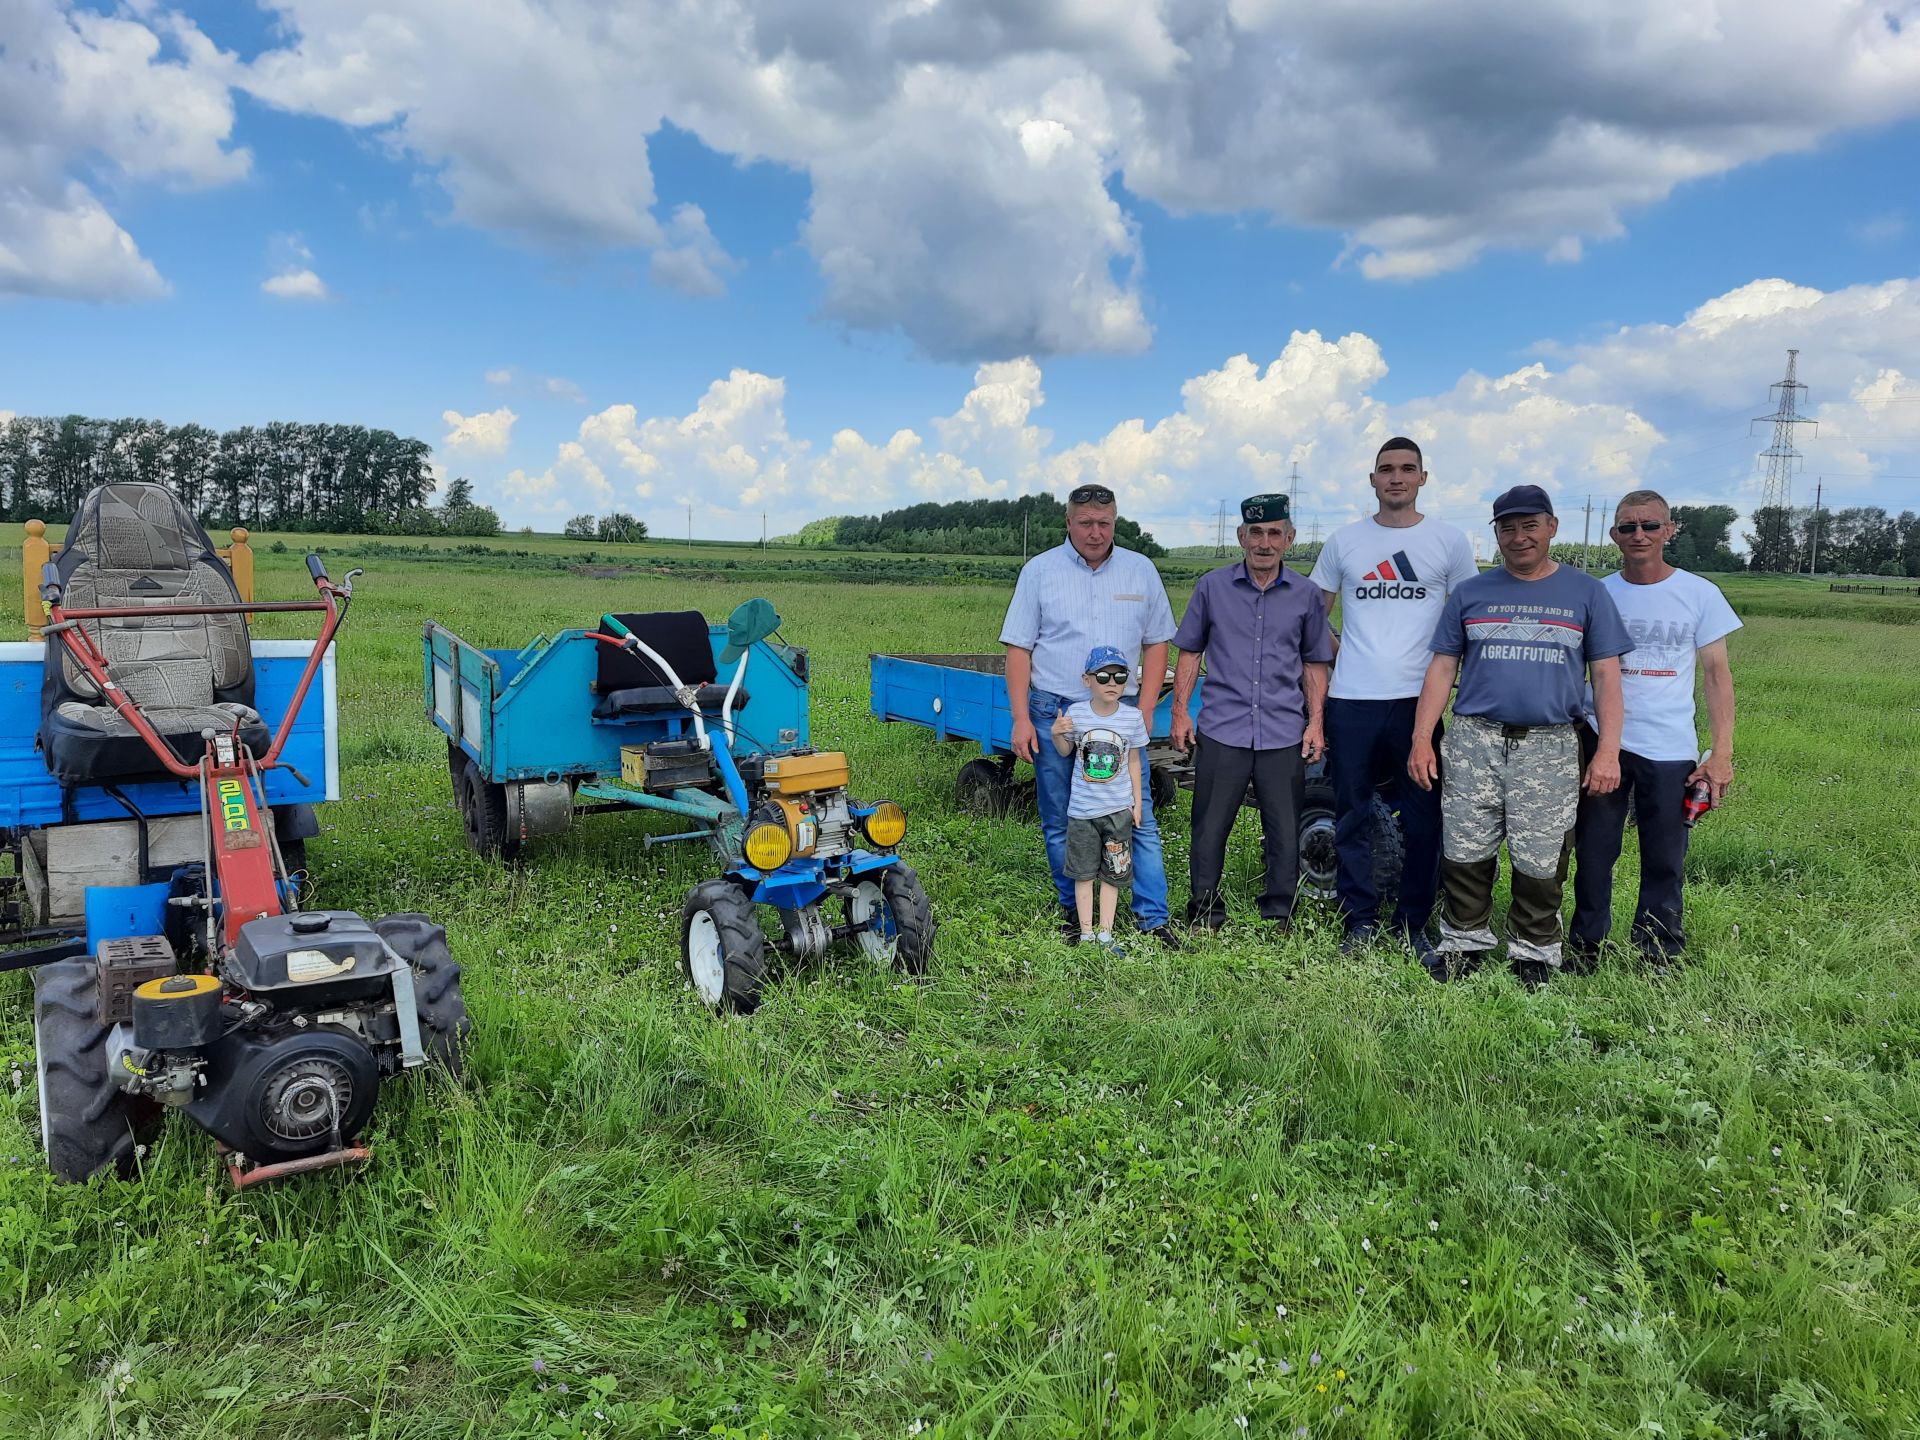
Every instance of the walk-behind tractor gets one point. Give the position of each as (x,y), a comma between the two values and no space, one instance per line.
(174,970)
(632,715)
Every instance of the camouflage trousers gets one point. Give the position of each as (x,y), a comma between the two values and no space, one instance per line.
(1523,788)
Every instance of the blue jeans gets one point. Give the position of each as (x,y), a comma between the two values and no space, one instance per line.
(1053,779)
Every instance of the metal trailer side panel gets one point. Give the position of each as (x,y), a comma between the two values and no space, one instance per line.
(30,796)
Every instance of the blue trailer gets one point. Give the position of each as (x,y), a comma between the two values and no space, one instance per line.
(634,714)
(964,698)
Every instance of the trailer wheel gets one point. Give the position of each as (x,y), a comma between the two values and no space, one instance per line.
(895,907)
(984,787)
(1165,788)
(444,1027)
(723,950)
(483,812)
(88,1125)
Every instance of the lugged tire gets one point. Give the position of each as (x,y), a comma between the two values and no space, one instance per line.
(912,917)
(1165,789)
(445,1029)
(742,945)
(89,1124)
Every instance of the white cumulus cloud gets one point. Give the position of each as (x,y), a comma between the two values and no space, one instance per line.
(298,283)
(486,432)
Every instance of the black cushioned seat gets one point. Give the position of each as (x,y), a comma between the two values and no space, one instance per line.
(134,545)
(628,683)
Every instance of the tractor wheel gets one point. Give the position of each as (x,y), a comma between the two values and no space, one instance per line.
(88,1124)
(445,1029)
(895,905)
(723,950)
(483,810)
(1320,859)
(983,787)
(1165,788)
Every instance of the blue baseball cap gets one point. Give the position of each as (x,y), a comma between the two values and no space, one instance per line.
(1102,656)
(1522,500)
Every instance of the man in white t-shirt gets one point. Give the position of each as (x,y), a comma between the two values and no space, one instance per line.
(1679,623)
(1392,575)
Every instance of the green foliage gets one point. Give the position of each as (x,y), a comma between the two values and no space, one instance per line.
(580,527)
(1701,541)
(1043,1192)
(284,475)
(1771,544)
(976,527)
(621,528)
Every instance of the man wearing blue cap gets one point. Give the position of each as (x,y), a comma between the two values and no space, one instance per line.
(1522,641)
(1267,645)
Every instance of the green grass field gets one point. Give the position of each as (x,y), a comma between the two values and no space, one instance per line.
(1258,1188)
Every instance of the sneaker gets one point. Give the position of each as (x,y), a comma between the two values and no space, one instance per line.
(1445,965)
(1579,958)
(1112,946)
(1070,926)
(1534,974)
(1423,949)
(1165,936)
(1352,942)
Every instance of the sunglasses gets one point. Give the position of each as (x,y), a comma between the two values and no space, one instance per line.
(1111,676)
(1091,495)
(1645,527)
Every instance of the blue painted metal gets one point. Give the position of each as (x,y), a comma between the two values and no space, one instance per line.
(960,703)
(528,714)
(800,883)
(30,797)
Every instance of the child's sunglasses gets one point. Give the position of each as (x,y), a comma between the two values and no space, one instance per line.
(1112,675)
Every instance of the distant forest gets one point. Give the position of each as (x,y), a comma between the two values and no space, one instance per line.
(964,527)
(281,476)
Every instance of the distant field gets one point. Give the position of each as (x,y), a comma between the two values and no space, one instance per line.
(1260,1188)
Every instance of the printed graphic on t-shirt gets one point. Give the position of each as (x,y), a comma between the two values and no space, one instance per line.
(1102,753)
(1536,634)
(1658,646)
(1391,579)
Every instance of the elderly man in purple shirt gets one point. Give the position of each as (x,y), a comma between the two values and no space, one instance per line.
(1264,634)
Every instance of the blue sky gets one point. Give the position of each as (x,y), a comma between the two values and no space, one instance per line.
(799,260)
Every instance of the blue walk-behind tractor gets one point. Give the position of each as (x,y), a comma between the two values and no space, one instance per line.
(632,714)
(159,769)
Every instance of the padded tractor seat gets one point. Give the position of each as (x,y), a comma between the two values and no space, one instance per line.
(134,545)
(628,683)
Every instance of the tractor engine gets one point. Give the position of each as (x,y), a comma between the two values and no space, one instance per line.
(801,810)
(284,1058)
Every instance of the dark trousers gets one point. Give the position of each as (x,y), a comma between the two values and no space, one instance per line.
(1221,774)
(1655,790)
(1367,743)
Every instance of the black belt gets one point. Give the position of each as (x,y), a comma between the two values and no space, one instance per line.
(1514,732)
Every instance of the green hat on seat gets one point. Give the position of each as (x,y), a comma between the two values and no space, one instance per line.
(1261,509)
(751,621)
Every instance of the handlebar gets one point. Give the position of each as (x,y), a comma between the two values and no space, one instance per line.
(317,568)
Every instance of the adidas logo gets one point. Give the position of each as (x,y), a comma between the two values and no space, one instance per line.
(1392,579)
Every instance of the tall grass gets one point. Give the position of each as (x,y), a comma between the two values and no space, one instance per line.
(1251,1188)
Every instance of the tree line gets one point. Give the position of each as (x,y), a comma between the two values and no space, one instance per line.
(1857,540)
(285,475)
(964,527)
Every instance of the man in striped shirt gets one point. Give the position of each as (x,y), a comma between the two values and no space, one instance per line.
(1068,601)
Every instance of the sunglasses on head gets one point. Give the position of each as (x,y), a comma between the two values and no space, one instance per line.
(1091,495)
(1645,527)
(1110,675)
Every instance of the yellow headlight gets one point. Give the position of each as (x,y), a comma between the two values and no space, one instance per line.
(887,825)
(768,846)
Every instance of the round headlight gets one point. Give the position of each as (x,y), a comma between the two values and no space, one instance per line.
(886,826)
(768,846)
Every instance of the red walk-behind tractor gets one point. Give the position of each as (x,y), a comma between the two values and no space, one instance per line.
(270,1026)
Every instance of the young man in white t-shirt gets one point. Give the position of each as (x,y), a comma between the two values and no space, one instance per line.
(1392,575)
(1679,623)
